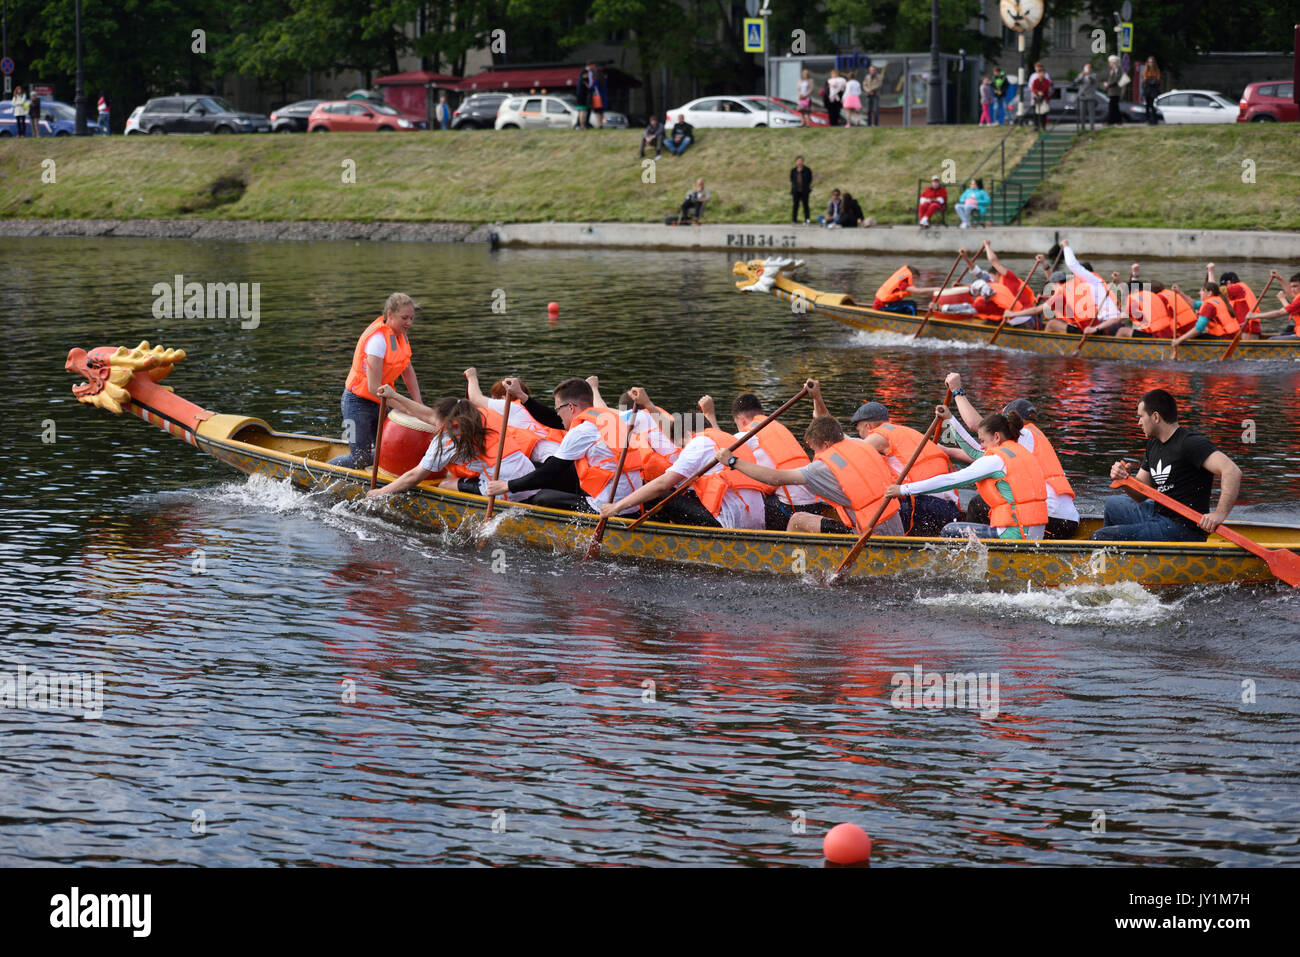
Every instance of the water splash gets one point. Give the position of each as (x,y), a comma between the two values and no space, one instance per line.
(880,339)
(1125,603)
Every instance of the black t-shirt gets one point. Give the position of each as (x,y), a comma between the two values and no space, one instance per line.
(1177,469)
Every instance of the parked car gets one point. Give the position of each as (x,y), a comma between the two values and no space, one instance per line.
(1268,102)
(57,119)
(818,117)
(198,114)
(731,111)
(478,112)
(292,118)
(133,122)
(1063,107)
(1196,106)
(356,116)
(546,111)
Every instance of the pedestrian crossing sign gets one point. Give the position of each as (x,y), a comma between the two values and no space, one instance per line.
(755,35)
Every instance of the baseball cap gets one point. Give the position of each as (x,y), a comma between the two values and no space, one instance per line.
(1021,407)
(870,412)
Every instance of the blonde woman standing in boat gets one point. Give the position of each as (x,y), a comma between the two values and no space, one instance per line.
(382,356)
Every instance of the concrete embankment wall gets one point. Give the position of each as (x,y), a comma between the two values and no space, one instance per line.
(747,239)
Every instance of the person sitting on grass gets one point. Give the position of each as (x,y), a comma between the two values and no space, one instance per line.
(693,206)
(974,198)
(682,136)
(653,136)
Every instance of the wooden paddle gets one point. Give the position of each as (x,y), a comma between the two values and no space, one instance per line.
(934,297)
(1232,346)
(1282,563)
(731,448)
(593,549)
(379,438)
(856,550)
(998,331)
(501,451)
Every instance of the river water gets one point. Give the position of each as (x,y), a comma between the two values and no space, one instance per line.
(291,681)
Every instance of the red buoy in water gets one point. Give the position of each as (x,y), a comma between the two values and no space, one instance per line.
(846,844)
(552,309)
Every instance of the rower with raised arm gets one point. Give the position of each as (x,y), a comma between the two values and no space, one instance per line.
(1290,305)
(1063,517)
(1007,476)
(1180,463)
(847,474)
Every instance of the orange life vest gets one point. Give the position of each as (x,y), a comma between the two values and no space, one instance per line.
(896,287)
(863,475)
(1048,462)
(1184,316)
(781,447)
(517,440)
(593,478)
(1028,505)
(653,462)
(1002,300)
(1243,303)
(712,486)
(1079,310)
(903,442)
(396,359)
(1295,316)
(1222,321)
(1024,296)
(1150,313)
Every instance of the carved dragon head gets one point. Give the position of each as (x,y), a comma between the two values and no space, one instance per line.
(109,371)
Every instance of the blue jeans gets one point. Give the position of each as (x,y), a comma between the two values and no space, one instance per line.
(1130,521)
(677,149)
(103,124)
(1000,105)
(364,416)
(959,529)
(927,514)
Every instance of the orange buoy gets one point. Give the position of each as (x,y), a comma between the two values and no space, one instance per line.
(553,309)
(846,844)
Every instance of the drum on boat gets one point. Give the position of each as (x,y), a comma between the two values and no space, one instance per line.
(405,441)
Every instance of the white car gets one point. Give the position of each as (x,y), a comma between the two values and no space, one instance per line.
(1196,106)
(546,112)
(133,122)
(732,111)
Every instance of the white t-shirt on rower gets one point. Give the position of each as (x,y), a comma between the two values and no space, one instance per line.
(799,494)
(513,466)
(584,441)
(520,419)
(741,508)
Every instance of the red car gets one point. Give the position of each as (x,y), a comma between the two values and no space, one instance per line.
(1268,102)
(356,116)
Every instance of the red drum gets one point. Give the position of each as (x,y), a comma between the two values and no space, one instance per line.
(405,441)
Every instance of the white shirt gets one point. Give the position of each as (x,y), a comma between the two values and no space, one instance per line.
(645,424)
(515,465)
(853,88)
(520,419)
(584,441)
(1058,506)
(793,494)
(377,344)
(1106,308)
(741,508)
(835,86)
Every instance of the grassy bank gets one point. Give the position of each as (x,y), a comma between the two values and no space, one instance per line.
(1187,177)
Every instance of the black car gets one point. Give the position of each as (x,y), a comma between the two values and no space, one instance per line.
(1064,107)
(479,112)
(198,114)
(292,118)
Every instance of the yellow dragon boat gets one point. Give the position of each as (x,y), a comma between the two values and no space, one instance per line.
(127,380)
(770,275)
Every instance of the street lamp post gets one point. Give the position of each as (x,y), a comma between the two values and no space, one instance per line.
(80,100)
(934,109)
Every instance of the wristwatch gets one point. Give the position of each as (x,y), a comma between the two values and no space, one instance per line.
(957,392)
(731,462)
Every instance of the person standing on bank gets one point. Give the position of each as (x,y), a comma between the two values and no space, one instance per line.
(1087,98)
(1000,83)
(834,98)
(852,99)
(800,190)
(1115,78)
(1180,463)
(442,112)
(871,85)
(104,117)
(20,107)
(1151,87)
(382,356)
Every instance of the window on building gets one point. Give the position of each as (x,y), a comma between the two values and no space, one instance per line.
(1063,33)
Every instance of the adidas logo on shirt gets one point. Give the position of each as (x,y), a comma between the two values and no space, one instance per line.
(1161,474)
